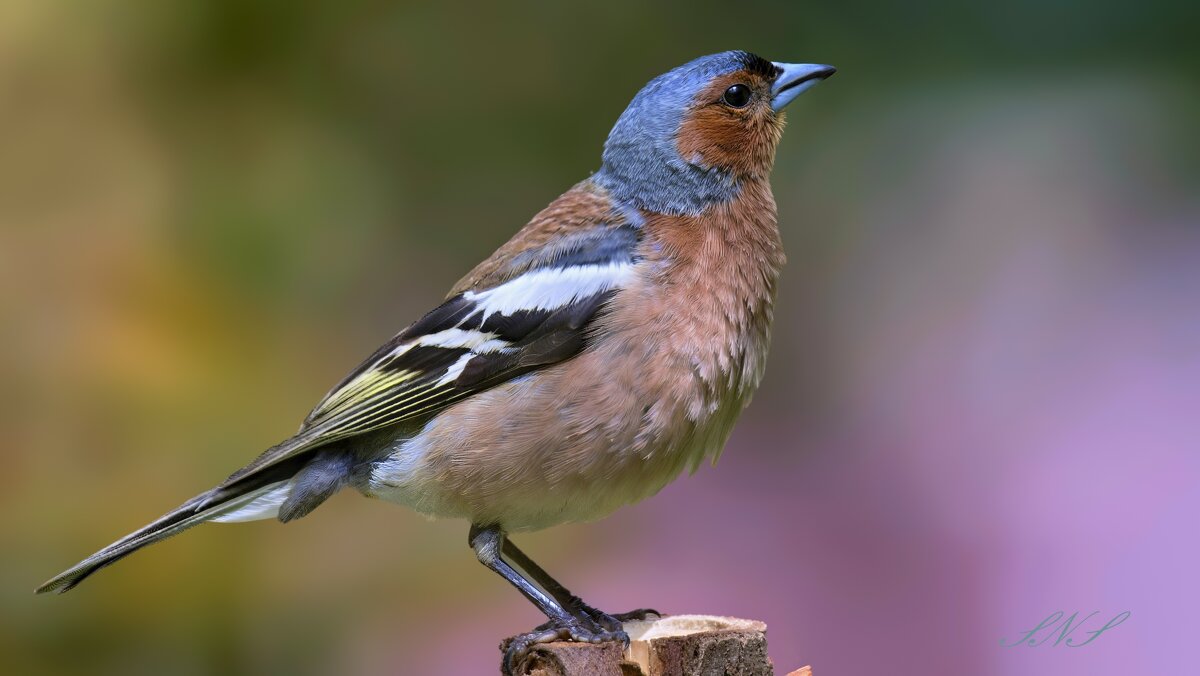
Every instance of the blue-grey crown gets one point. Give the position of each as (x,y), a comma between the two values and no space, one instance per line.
(642,164)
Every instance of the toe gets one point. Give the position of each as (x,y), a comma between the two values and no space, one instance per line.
(519,648)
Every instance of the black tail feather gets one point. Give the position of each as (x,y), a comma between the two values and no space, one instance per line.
(235,492)
(176,521)
(194,512)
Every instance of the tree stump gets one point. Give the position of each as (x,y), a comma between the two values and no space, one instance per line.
(679,645)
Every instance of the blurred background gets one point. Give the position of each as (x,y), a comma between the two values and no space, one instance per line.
(982,397)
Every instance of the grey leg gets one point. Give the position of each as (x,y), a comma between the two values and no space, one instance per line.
(488,542)
(568,600)
(565,623)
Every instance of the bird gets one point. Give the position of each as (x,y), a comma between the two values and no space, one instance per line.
(607,347)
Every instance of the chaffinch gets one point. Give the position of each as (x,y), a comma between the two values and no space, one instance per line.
(609,345)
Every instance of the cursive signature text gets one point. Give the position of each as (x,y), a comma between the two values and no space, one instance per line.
(1061,630)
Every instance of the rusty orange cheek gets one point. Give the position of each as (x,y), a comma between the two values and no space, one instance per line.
(741,141)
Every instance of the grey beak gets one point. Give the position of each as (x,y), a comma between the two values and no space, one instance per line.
(796,78)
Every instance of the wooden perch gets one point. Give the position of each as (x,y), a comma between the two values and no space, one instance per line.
(679,645)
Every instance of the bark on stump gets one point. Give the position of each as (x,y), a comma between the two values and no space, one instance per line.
(679,645)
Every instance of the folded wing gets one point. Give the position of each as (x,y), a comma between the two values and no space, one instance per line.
(527,307)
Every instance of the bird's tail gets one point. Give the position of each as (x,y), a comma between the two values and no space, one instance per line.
(227,503)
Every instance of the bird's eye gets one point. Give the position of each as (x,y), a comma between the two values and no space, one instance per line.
(737,96)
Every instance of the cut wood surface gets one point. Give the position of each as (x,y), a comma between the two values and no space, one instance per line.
(677,645)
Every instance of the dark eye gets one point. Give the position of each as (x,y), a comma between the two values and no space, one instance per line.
(737,96)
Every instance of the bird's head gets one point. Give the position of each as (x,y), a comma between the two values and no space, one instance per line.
(693,135)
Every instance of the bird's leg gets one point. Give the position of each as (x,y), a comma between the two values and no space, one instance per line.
(565,623)
(565,598)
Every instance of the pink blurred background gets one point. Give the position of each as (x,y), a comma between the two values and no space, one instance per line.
(982,397)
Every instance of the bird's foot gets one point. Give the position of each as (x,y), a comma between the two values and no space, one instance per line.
(518,649)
